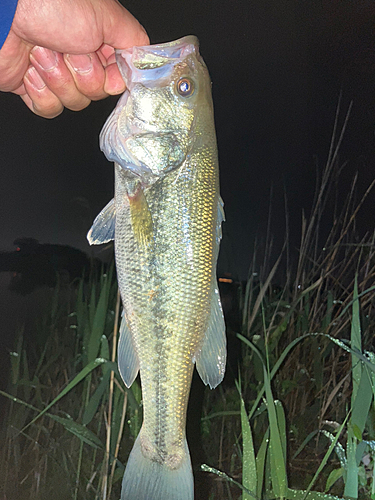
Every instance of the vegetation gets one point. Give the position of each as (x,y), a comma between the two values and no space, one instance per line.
(306,380)
(297,423)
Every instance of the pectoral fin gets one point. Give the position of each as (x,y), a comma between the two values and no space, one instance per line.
(127,358)
(211,358)
(103,228)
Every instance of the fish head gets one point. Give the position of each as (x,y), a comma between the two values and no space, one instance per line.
(153,127)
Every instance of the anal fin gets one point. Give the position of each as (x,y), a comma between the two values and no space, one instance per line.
(211,358)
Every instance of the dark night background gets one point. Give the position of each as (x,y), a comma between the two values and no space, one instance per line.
(277,67)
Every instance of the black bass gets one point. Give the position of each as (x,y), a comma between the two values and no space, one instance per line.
(165,220)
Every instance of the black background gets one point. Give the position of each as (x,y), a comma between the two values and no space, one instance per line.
(277,68)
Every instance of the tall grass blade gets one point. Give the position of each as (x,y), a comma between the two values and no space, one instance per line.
(276,366)
(280,414)
(340,452)
(304,443)
(77,379)
(207,468)
(99,318)
(334,476)
(94,402)
(362,404)
(263,292)
(79,430)
(278,464)
(355,342)
(261,462)
(278,471)
(351,480)
(367,361)
(249,471)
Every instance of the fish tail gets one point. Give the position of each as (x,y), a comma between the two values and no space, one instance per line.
(145,479)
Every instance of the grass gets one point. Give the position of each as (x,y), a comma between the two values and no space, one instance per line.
(308,344)
(299,421)
(67,402)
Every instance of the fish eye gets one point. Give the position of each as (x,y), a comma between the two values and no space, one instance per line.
(185,87)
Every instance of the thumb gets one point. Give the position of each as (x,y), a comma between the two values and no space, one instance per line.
(120,28)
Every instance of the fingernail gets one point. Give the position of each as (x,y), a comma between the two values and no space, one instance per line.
(81,63)
(45,57)
(35,79)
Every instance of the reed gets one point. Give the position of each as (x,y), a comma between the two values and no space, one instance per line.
(67,402)
(308,349)
(299,422)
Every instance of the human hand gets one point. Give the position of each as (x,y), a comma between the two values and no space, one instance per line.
(61,52)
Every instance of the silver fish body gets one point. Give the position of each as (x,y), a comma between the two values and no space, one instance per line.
(166,223)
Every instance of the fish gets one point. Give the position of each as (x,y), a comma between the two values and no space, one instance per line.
(165,220)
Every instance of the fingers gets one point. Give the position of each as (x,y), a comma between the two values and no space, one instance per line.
(88,74)
(114,83)
(38,97)
(54,81)
(74,79)
(47,106)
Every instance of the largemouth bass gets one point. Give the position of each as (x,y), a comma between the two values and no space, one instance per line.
(165,220)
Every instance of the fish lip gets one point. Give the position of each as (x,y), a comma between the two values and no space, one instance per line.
(167,54)
(169,46)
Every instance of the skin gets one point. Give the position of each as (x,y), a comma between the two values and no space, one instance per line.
(60,53)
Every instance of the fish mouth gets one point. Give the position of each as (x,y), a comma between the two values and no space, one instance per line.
(154,63)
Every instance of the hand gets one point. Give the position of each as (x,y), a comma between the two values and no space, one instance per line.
(61,52)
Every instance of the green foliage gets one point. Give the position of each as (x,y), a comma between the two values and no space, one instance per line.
(299,425)
(68,404)
(264,474)
(308,348)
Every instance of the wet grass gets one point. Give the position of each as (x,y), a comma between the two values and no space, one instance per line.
(67,403)
(297,422)
(306,395)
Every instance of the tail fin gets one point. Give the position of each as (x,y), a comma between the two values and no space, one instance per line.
(145,479)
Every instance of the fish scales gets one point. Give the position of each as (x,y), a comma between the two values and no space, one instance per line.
(167,214)
(173,295)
